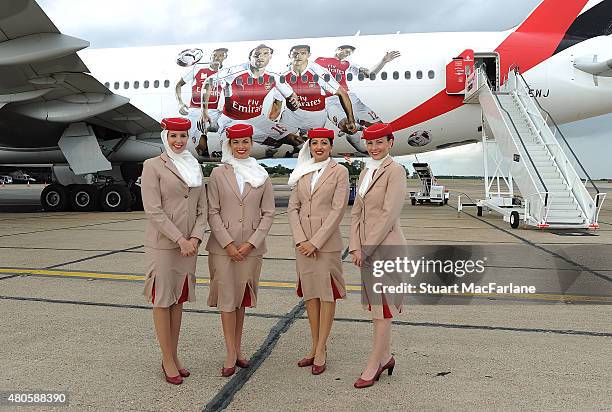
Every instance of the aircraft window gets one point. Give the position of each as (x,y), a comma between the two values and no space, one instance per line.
(136,84)
(116,85)
(383,76)
(407,75)
(250,81)
(419,74)
(361,76)
(304,78)
(146,84)
(271,81)
(126,85)
(107,85)
(315,78)
(166,83)
(239,81)
(372,76)
(260,80)
(156,84)
(282,79)
(431,74)
(293,79)
(349,77)
(339,77)
(326,77)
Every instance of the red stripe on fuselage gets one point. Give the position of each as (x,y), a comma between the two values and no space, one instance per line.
(534,41)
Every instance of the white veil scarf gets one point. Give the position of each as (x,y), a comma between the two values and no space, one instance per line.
(305,164)
(187,165)
(371,165)
(249,169)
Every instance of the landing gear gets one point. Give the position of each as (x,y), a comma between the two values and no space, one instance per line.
(83,198)
(54,198)
(89,198)
(115,198)
(115,190)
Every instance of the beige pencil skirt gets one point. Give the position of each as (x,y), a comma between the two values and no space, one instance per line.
(233,285)
(321,277)
(169,277)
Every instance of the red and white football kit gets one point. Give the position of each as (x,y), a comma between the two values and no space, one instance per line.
(312,87)
(197,77)
(335,112)
(244,101)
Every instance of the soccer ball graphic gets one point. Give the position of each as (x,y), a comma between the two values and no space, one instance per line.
(189,57)
(419,138)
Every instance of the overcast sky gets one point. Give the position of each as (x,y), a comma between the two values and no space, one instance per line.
(125,23)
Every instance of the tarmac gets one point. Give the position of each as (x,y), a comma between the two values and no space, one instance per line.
(73,320)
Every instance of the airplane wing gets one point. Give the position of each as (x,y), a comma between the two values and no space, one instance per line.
(43,78)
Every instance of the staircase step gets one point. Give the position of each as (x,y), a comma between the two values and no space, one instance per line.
(564,213)
(556,206)
(553,181)
(560,194)
(574,220)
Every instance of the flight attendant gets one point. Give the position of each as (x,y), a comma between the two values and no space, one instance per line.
(374,222)
(240,214)
(175,204)
(320,190)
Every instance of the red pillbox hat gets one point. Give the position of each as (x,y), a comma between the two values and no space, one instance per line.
(239,130)
(377,130)
(178,124)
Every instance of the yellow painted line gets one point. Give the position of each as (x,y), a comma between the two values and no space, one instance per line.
(114,276)
(291,285)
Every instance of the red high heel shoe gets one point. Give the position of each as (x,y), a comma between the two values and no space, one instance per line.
(365,383)
(243,363)
(175,380)
(302,363)
(317,370)
(389,366)
(184,372)
(227,372)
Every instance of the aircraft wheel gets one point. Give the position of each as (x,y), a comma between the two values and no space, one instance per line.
(514,220)
(413,201)
(479,211)
(115,198)
(84,198)
(54,198)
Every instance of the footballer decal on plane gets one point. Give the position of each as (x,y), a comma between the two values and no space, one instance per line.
(282,105)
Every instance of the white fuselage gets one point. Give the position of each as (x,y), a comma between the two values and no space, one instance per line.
(568,93)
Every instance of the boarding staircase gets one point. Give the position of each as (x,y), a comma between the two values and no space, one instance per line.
(529,149)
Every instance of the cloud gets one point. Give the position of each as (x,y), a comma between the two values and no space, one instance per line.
(120,23)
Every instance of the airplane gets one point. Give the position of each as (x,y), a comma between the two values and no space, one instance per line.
(94,113)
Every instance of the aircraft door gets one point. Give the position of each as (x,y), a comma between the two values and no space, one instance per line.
(489,63)
(457,70)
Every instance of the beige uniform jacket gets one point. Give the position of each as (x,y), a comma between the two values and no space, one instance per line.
(375,216)
(236,217)
(173,209)
(316,215)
